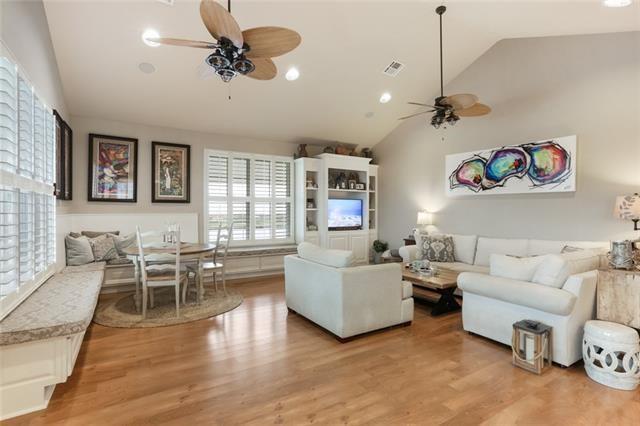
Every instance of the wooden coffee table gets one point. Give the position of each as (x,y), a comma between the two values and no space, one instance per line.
(444,283)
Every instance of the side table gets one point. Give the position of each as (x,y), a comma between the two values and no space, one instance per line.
(619,296)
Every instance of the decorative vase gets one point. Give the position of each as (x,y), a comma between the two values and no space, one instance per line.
(377,257)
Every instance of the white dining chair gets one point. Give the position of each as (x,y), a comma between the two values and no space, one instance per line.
(217,264)
(160,270)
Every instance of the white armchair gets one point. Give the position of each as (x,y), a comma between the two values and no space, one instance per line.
(345,300)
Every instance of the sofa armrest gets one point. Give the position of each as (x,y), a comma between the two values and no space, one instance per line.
(408,253)
(582,285)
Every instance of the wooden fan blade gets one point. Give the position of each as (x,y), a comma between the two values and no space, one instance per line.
(424,105)
(461,101)
(180,42)
(265,69)
(269,42)
(413,115)
(474,111)
(220,23)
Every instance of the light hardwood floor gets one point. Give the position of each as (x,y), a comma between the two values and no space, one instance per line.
(259,365)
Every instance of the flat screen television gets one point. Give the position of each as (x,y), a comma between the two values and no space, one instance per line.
(344,214)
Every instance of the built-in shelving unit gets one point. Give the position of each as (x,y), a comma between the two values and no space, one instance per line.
(317,179)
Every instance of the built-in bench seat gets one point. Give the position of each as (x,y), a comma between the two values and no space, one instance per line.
(41,338)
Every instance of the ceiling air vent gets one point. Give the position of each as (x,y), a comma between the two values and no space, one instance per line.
(393,69)
(167,2)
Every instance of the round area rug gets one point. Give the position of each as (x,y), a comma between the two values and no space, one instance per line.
(121,312)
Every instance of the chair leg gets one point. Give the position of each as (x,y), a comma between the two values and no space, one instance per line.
(184,290)
(224,281)
(152,298)
(144,301)
(215,281)
(178,299)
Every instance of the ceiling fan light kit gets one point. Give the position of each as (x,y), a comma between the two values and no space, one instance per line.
(448,109)
(237,52)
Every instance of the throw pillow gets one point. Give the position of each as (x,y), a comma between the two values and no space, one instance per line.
(437,248)
(557,268)
(124,242)
(552,272)
(94,234)
(515,268)
(78,251)
(103,248)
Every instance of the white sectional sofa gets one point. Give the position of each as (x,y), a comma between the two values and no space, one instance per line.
(321,285)
(492,303)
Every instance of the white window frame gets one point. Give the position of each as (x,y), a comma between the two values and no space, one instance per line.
(17,182)
(252,199)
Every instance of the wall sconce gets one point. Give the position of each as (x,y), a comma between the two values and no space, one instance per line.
(628,208)
(425,219)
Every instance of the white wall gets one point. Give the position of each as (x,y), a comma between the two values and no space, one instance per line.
(82,126)
(25,31)
(538,88)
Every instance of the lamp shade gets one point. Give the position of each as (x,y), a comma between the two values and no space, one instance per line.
(627,207)
(425,218)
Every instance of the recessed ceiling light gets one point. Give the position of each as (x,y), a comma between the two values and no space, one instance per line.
(150,33)
(616,3)
(385,97)
(292,74)
(147,68)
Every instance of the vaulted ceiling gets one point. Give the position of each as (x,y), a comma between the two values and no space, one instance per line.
(345,46)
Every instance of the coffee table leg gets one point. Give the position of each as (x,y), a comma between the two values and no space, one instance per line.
(447,303)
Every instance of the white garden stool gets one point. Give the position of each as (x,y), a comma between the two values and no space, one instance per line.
(611,354)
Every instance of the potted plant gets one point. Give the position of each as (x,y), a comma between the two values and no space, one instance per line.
(379,247)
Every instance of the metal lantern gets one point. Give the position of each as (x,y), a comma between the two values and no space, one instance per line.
(531,344)
(621,254)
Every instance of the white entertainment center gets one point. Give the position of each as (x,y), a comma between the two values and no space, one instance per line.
(319,179)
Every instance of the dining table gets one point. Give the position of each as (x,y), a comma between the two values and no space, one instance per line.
(188,252)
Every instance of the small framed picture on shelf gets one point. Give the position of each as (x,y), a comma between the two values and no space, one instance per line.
(352,184)
(311,204)
(360,186)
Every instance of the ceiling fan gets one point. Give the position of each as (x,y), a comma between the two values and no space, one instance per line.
(247,52)
(449,109)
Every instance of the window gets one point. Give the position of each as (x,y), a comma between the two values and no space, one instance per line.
(27,204)
(254,192)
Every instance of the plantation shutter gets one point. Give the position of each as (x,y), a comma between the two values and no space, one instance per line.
(27,217)
(50,134)
(8,240)
(241,177)
(8,116)
(39,140)
(51,230)
(257,198)
(25,128)
(27,204)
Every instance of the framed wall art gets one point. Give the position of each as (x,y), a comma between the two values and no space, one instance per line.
(531,168)
(170,166)
(113,168)
(64,158)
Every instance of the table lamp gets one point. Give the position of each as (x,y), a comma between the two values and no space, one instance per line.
(424,219)
(628,208)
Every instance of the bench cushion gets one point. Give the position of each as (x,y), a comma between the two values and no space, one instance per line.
(262,251)
(62,306)
(89,267)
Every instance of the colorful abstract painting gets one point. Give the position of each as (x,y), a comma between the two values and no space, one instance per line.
(113,168)
(170,172)
(544,166)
